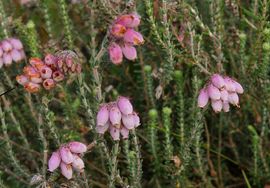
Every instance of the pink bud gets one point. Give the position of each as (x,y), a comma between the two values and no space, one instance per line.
(226,106)
(218,81)
(213,92)
(58,76)
(45,72)
(1,62)
(6,46)
(77,147)
(124,132)
(129,52)
(233,98)
(102,116)
(217,105)
(229,84)
(49,59)
(115,116)
(224,95)
(133,37)
(21,79)
(66,155)
(102,129)
(78,163)
(238,87)
(16,55)
(118,30)
(7,59)
(54,161)
(16,43)
(129,20)
(203,98)
(124,105)
(136,119)
(66,170)
(115,133)
(115,53)
(48,84)
(128,121)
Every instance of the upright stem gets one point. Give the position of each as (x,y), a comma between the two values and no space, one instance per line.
(113,164)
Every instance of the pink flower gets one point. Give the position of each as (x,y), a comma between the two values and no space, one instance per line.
(32,87)
(128,121)
(217,105)
(102,116)
(233,99)
(21,79)
(129,52)
(48,84)
(124,132)
(54,161)
(45,72)
(118,30)
(78,163)
(66,170)
(224,95)
(58,76)
(218,81)
(226,106)
(203,98)
(116,54)
(7,58)
(49,59)
(102,129)
(229,84)
(115,133)
(133,37)
(17,44)
(213,92)
(66,155)
(6,46)
(238,88)
(136,119)
(129,20)
(16,55)
(124,105)
(77,147)
(115,116)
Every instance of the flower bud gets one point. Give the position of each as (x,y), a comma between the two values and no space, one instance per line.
(133,37)
(213,92)
(66,155)
(54,161)
(102,116)
(217,105)
(66,170)
(115,53)
(77,147)
(16,43)
(115,116)
(203,98)
(218,81)
(48,84)
(118,30)
(124,105)
(102,129)
(129,52)
(78,163)
(233,99)
(128,121)
(124,132)
(115,133)
(21,79)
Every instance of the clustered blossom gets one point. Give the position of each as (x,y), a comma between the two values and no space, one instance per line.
(68,157)
(47,73)
(118,117)
(124,38)
(11,49)
(222,91)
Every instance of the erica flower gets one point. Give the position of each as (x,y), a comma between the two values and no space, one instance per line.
(222,91)
(118,118)
(68,157)
(124,37)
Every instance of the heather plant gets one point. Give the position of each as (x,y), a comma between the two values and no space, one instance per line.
(186,106)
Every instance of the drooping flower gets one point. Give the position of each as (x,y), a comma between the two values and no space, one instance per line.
(133,37)
(121,119)
(222,91)
(116,54)
(54,161)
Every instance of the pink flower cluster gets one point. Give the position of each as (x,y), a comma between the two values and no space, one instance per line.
(222,91)
(118,117)
(124,38)
(68,157)
(11,49)
(47,73)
